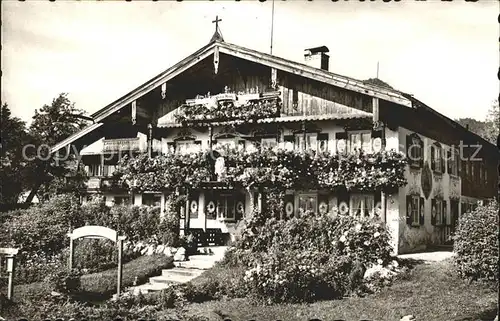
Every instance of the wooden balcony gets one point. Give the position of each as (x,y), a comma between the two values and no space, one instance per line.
(122,144)
(102,184)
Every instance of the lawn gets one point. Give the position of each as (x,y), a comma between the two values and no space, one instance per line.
(430,291)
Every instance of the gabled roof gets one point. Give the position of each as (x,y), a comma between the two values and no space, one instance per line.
(261,58)
(247,54)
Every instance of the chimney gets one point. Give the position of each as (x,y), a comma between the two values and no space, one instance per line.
(317,57)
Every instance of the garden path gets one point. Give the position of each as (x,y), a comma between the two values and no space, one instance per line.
(436,256)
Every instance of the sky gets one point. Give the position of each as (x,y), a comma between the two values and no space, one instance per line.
(444,53)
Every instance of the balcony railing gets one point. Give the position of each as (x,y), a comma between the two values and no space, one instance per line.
(101,183)
(122,144)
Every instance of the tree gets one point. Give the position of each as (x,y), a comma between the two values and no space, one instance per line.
(52,124)
(487,129)
(492,129)
(13,166)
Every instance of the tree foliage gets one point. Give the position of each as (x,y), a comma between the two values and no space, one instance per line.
(52,124)
(14,137)
(487,129)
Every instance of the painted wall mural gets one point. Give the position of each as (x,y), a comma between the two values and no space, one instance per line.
(426,180)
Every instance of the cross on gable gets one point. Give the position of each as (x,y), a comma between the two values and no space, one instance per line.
(216,21)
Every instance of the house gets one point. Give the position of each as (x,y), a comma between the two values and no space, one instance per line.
(228,95)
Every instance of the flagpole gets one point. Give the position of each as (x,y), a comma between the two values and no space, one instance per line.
(272,28)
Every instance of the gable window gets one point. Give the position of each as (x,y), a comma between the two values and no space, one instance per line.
(306,203)
(309,142)
(362,205)
(361,141)
(415,150)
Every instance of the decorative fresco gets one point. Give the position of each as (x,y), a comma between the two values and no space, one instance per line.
(414,183)
(454,188)
(426,180)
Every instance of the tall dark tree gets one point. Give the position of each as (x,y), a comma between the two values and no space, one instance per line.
(52,124)
(489,128)
(13,165)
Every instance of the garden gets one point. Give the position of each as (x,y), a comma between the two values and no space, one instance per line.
(316,266)
(327,267)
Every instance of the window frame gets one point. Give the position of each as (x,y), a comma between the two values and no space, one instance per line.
(363,198)
(308,146)
(155,198)
(224,198)
(363,144)
(298,196)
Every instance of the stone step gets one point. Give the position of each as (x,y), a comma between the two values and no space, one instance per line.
(200,265)
(149,287)
(182,272)
(169,279)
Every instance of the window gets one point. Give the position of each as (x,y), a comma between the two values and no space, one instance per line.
(310,142)
(225,207)
(360,141)
(437,211)
(306,203)
(93,170)
(437,160)
(151,199)
(415,210)
(229,142)
(453,161)
(108,170)
(362,205)
(189,146)
(122,200)
(268,142)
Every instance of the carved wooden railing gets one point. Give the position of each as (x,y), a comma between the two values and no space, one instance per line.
(229,106)
(121,144)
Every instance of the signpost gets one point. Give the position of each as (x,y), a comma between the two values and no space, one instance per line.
(10,253)
(98,232)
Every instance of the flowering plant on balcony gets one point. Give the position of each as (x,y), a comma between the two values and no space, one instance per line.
(229,110)
(277,169)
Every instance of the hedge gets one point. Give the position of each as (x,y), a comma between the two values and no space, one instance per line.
(476,243)
(103,284)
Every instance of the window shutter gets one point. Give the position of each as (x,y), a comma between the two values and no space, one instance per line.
(240,206)
(433,157)
(443,160)
(193,204)
(408,209)
(449,162)
(341,140)
(288,210)
(445,214)
(322,142)
(408,144)
(433,212)
(421,210)
(323,204)
(210,206)
(343,203)
(421,155)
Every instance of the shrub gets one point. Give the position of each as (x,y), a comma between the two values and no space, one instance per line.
(189,243)
(64,281)
(201,292)
(167,298)
(140,270)
(42,228)
(307,258)
(476,243)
